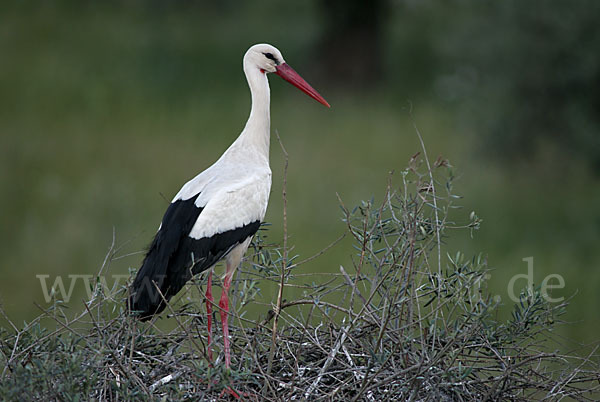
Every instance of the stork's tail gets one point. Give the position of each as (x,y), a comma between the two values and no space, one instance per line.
(145,298)
(149,293)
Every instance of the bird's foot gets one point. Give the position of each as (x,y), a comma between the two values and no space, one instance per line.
(237,394)
(229,391)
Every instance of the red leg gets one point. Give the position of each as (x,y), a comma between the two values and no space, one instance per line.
(209,303)
(224,304)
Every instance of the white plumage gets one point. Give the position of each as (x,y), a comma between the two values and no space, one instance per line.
(234,205)
(216,213)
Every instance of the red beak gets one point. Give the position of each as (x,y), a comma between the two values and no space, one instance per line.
(291,76)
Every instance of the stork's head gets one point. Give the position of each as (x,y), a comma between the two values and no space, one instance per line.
(268,59)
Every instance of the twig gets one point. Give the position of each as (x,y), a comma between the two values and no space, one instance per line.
(284,258)
(374,316)
(435,207)
(165,380)
(128,373)
(330,358)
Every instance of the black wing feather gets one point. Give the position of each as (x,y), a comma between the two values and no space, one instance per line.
(174,257)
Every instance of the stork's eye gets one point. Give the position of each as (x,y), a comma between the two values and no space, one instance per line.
(270,56)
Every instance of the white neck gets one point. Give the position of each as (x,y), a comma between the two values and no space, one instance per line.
(256,134)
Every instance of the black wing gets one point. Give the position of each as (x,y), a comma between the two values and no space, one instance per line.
(174,257)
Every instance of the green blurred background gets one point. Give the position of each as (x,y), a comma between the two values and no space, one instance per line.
(107,108)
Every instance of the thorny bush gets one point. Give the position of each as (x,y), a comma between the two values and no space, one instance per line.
(409,320)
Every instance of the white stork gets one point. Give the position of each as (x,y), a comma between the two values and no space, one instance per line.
(215,215)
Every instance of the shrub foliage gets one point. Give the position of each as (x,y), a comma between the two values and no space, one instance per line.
(407,321)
